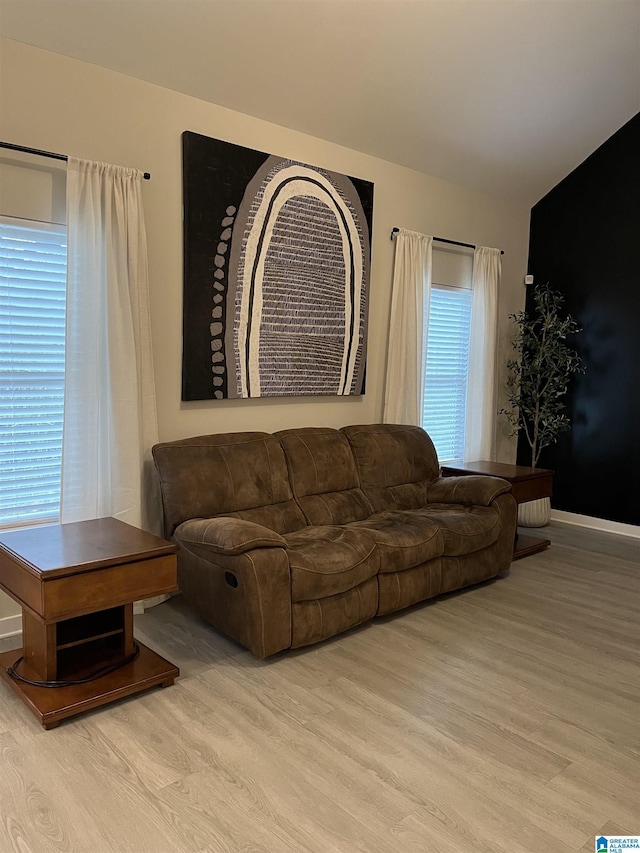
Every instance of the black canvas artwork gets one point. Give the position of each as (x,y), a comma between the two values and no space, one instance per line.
(276,275)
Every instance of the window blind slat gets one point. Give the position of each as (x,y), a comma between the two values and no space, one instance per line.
(32,333)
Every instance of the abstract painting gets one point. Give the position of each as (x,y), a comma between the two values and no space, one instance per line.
(276,275)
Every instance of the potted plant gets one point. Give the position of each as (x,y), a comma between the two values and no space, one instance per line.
(538,380)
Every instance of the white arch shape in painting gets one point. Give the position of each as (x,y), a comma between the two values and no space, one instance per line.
(286,184)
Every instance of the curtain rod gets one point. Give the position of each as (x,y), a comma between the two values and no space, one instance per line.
(52,155)
(444,240)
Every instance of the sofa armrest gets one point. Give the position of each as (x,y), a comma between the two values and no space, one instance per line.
(246,596)
(226,535)
(475,489)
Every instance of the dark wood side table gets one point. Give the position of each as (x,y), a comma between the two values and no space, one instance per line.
(527,484)
(76,584)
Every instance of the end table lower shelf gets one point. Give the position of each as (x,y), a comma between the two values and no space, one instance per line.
(53,705)
(524,546)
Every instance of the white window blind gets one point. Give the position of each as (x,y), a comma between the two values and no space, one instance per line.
(447,367)
(33,260)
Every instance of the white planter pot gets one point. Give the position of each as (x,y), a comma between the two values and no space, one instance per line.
(534,513)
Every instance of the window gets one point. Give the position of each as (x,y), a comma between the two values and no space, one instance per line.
(32,334)
(445,397)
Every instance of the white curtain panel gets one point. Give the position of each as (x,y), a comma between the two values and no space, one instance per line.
(481,389)
(406,361)
(110,421)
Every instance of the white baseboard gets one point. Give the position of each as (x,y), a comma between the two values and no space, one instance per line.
(601,524)
(10,626)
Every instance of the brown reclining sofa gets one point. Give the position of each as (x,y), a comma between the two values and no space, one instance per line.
(290,538)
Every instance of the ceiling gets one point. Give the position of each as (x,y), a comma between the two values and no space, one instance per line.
(503,96)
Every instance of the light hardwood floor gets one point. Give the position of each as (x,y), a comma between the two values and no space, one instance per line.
(502,718)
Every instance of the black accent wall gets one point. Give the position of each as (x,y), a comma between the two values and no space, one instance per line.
(585,240)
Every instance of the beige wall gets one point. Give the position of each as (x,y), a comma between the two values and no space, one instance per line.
(8,610)
(52,102)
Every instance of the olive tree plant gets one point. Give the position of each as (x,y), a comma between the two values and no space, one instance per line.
(539,373)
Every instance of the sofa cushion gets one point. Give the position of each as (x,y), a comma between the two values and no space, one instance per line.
(242,473)
(282,518)
(464,529)
(326,561)
(395,463)
(323,474)
(404,539)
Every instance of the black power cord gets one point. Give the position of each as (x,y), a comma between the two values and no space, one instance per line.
(106,670)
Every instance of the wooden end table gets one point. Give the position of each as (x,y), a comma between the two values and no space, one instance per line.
(527,484)
(76,584)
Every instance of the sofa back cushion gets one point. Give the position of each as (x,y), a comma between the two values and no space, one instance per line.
(395,463)
(324,476)
(241,474)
